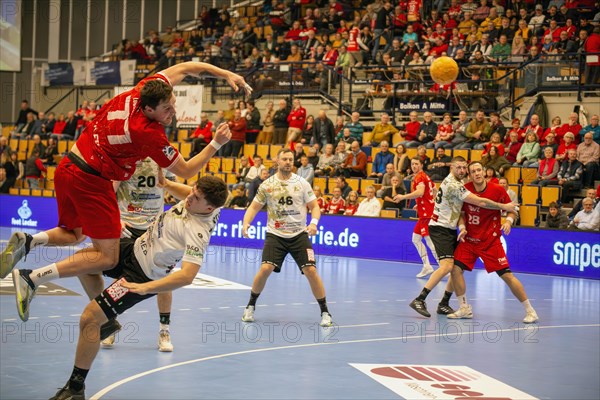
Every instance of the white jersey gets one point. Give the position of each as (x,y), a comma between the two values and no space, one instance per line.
(174,236)
(448,203)
(140,199)
(286,204)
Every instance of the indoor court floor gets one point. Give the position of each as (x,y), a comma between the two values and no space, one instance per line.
(378,348)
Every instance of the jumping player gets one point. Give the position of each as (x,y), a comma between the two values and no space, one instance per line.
(480,232)
(287,197)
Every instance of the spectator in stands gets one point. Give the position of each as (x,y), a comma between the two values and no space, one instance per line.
(313,156)
(370,206)
(266,134)
(202,136)
(569,176)
(494,141)
(382,25)
(308,130)
(340,154)
(382,131)
(567,144)
(439,168)
(326,164)
(323,130)
(340,182)
(242,170)
(252,117)
(518,49)
(346,137)
(529,152)
(48,152)
(592,63)
(491,175)
(237,198)
(460,129)
(306,170)
(536,22)
(351,203)
(478,132)
(15,170)
(219,119)
(337,204)
(533,127)
(391,195)
(427,131)
(167,60)
(571,126)
(33,169)
(5,149)
(445,134)
(296,120)
(256,182)
(59,125)
(410,131)
(26,129)
(401,162)
(587,219)
(501,51)
(590,194)
(551,143)
(593,128)
(565,46)
(554,129)
(229,114)
(321,200)
(356,128)
(38,145)
(255,170)
(495,161)
(355,164)
(70,128)
(502,181)
(588,153)
(516,127)
(3,187)
(513,147)
(382,159)
(280,123)
(547,170)
(22,117)
(238,136)
(37,124)
(386,180)
(298,153)
(556,218)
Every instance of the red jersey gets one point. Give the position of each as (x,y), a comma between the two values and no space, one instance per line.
(352,208)
(336,206)
(484,224)
(122,135)
(425,202)
(297,118)
(352,44)
(412,130)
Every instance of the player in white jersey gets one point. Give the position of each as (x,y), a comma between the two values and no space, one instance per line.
(145,267)
(287,197)
(140,201)
(442,228)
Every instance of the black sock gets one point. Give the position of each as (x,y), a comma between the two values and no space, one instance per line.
(77,378)
(323,304)
(423,294)
(165,318)
(446,299)
(253,297)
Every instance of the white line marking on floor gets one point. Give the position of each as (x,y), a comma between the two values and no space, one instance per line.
(9,320)
(365,301)
(279,304)
(142,311)
(74,315)
(296,304)
(205,308)
(382,301)
(115,385)
(54,316)
(348,301)
(223,308)
(185,309)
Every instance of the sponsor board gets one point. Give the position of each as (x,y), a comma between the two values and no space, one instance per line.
(440,382)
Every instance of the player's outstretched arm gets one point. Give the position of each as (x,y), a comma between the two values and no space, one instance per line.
(177,72)
(419,192)
(190,168)
(185,276)
(490,204)
(249,216)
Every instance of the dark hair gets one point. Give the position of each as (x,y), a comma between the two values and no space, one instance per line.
(214,190)
(553,205)
(284,150)
(154,92)
(417,158)
(458,159)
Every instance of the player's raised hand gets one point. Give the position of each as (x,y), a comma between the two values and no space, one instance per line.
(237,82)
(222,134)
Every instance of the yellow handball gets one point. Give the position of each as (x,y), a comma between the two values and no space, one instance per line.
(443,70)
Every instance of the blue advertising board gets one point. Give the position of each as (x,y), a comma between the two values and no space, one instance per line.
(529,250)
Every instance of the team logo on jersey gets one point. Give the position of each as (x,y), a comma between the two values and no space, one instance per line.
(169,152)
(200,235)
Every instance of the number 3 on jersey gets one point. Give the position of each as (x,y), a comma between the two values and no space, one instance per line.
(286,200)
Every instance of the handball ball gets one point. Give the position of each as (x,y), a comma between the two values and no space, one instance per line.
(443,70)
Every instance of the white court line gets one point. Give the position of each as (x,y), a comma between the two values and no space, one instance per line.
(115,385)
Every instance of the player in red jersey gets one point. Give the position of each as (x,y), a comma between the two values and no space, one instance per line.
(422,191)
(480,232)
(127,129)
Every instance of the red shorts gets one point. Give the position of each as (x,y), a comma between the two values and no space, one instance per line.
(422,227)
(492,254)
(86,201)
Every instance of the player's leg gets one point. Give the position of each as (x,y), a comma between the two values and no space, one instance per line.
(318,290)
(460,288)
(260,280)
(93,284)
(444,240)
(444,304)
(431,246)
(517,289)
(164,301)
(417,241)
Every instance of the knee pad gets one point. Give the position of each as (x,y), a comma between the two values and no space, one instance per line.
(504,271)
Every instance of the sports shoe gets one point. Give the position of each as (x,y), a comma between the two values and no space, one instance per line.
(108,343)
(248,314)
(420,307)
(164,341)
(444,309)
(109,328)
(427,269)
(24,291)
(326,319)
(530,317)
(67,393)
(464,312)
(18,246)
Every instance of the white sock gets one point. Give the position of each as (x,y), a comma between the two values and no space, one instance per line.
(40,238)
(416,239)
(527,305)
(462,300)
(45,274)
(431,247)
(164,327)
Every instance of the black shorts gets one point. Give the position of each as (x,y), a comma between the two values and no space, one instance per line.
(300,247)
(136,233)
(115,299)
(444,241)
